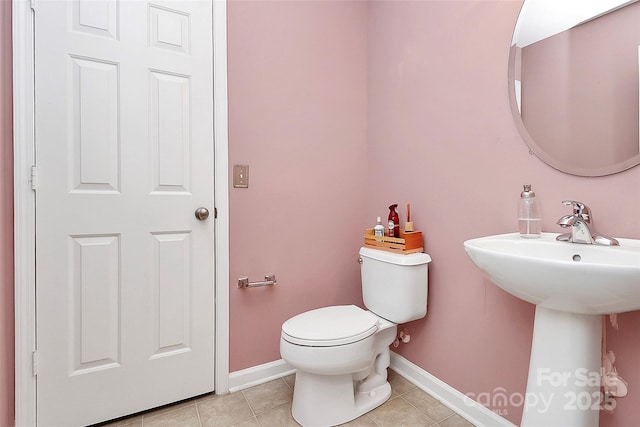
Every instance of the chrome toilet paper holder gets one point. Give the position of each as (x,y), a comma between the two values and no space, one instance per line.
(269,279)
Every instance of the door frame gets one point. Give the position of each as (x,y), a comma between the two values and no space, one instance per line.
(25,210)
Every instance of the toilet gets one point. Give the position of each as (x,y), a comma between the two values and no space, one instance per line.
(341,353)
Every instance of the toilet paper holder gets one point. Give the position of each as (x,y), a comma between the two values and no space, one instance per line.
(269,279)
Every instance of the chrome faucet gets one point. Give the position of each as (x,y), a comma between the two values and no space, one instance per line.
(581,227)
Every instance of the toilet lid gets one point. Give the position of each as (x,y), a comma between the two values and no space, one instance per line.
(330,326)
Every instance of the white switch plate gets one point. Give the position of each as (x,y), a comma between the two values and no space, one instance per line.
(241,176)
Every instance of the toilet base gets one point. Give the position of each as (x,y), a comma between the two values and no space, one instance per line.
(330,400)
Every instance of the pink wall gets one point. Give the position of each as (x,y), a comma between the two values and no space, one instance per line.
(297,116)
(6,220)
(441,137)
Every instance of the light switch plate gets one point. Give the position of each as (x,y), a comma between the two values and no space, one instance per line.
(241,176)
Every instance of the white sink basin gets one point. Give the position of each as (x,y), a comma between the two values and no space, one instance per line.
(569,277)
(572,285)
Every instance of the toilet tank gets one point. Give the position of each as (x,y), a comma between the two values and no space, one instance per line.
(394,286)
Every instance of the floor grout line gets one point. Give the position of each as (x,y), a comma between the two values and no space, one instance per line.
(195,403)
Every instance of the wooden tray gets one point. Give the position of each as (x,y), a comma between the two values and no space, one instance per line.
(407,243)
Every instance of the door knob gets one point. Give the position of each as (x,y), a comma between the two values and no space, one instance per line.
(202,213)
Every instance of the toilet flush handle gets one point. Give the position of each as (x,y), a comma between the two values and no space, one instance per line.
(360,260)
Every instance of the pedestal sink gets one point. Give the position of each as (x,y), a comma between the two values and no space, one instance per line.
(572,285)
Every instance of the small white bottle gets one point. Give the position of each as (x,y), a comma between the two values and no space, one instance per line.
(378,230)
(529,223)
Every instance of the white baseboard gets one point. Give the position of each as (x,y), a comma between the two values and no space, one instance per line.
(259,374)
(468,408)
(476,413)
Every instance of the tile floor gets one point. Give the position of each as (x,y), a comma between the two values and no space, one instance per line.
(269,405)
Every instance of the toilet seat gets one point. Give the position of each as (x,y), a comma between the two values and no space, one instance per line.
(330,326)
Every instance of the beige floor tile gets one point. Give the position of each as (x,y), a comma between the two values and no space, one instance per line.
(267,396)
(136,420)
(269,405)
(393,395)
(290,380)
(133,421)
(398,412)
(362,421)
(172,406)
(280,416)
(223,410)
(251,422)
(428,404)
(186,416)
(455,421)
(398,383)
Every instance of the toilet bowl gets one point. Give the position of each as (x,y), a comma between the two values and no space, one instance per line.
(341,353)
(329,360)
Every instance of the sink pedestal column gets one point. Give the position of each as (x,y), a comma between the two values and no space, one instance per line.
(563,388)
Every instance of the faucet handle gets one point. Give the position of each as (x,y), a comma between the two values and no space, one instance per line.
(579,209)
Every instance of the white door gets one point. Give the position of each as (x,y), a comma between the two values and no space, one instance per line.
(124,147)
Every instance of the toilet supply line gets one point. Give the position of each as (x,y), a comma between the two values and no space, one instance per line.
(403,337)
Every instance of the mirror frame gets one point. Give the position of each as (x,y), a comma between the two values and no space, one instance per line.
(538,150)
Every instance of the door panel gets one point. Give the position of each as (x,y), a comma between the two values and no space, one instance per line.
(171,293)
(170,131)
(96,143)
(94,302)
(124,147)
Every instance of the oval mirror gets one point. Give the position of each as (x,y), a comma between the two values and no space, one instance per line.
(573,83)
